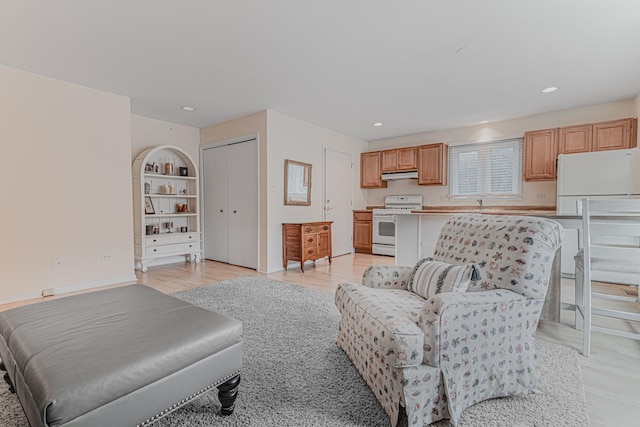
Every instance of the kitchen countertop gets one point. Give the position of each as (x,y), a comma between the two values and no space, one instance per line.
(488,210)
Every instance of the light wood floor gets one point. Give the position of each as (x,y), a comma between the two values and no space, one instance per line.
(611,374)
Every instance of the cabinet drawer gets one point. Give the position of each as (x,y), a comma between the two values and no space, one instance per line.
(170,239)
(167,249)
(310,253)
(315,228)
(362,216)
(310,240)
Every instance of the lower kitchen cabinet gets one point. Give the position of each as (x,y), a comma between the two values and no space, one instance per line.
(362,231)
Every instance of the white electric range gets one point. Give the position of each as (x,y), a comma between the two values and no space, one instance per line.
(384,222)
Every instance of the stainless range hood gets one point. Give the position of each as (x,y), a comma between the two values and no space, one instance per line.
(390,176)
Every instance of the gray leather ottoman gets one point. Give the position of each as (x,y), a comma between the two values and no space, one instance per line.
(119,357)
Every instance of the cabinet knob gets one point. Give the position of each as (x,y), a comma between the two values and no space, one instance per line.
(308,229)
(235,211)
(155,240)
(190,245)
(190,236)
(155,250)
(221,210)
(310,240)
(310,251)
(326,227)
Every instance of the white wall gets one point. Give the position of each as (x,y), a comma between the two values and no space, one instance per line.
(66,186)
(534,193)
(146,132)
(293,139)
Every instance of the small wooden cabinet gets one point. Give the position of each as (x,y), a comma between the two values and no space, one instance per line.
(399,159)
(306,241)
(371,170)
(575,139)
(362,231)
(540,153)
(432,164)
(614,135)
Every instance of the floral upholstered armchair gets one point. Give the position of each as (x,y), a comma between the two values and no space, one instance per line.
(458,328)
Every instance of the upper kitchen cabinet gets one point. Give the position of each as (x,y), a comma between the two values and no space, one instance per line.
(540,152)
(399,159)
(614,135)
(371,170)
(575,139)
(432,164)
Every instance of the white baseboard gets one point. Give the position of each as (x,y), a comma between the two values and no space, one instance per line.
(96,284)
(73,288)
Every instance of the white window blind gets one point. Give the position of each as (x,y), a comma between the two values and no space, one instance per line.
(491,169)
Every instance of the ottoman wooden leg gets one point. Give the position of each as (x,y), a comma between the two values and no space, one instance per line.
(227,393)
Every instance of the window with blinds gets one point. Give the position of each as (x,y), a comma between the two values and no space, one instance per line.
(491,169)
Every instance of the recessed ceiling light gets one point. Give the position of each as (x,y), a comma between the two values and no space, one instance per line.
(377,124)
(484,121)
(549,89)
(188,108)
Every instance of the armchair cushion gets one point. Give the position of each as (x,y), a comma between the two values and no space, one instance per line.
(388,320)
(433,277)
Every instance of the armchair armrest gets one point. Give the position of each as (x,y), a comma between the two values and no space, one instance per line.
(483,342)
(449,318)
(387,276)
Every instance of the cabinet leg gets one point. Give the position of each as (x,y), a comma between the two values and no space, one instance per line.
(329,260)
(143,267)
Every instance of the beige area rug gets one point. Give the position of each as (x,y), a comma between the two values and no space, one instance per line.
(295,375)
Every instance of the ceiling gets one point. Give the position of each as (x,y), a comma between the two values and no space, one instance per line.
(338,64)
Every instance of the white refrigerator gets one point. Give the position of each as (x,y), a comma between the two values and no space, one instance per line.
(610,174)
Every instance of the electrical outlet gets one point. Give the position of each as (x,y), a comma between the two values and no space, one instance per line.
(47,292)
(106,258)
(56,263)
(540,196)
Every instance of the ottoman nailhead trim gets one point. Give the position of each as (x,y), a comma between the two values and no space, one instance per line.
(186,400)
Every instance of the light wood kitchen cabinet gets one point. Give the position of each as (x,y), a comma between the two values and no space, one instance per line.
(371,170)
(432,164)
(575,139)
(306,241)
(399,159)
(540,153)
(362,231)
(614,135)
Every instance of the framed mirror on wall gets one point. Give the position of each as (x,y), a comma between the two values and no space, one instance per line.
(297,183)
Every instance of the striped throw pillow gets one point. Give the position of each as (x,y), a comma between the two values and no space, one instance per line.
(433,277)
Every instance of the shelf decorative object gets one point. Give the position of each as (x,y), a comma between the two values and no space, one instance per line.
(167,202)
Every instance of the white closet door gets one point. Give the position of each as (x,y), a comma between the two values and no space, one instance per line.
(216,203)
(243,204)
